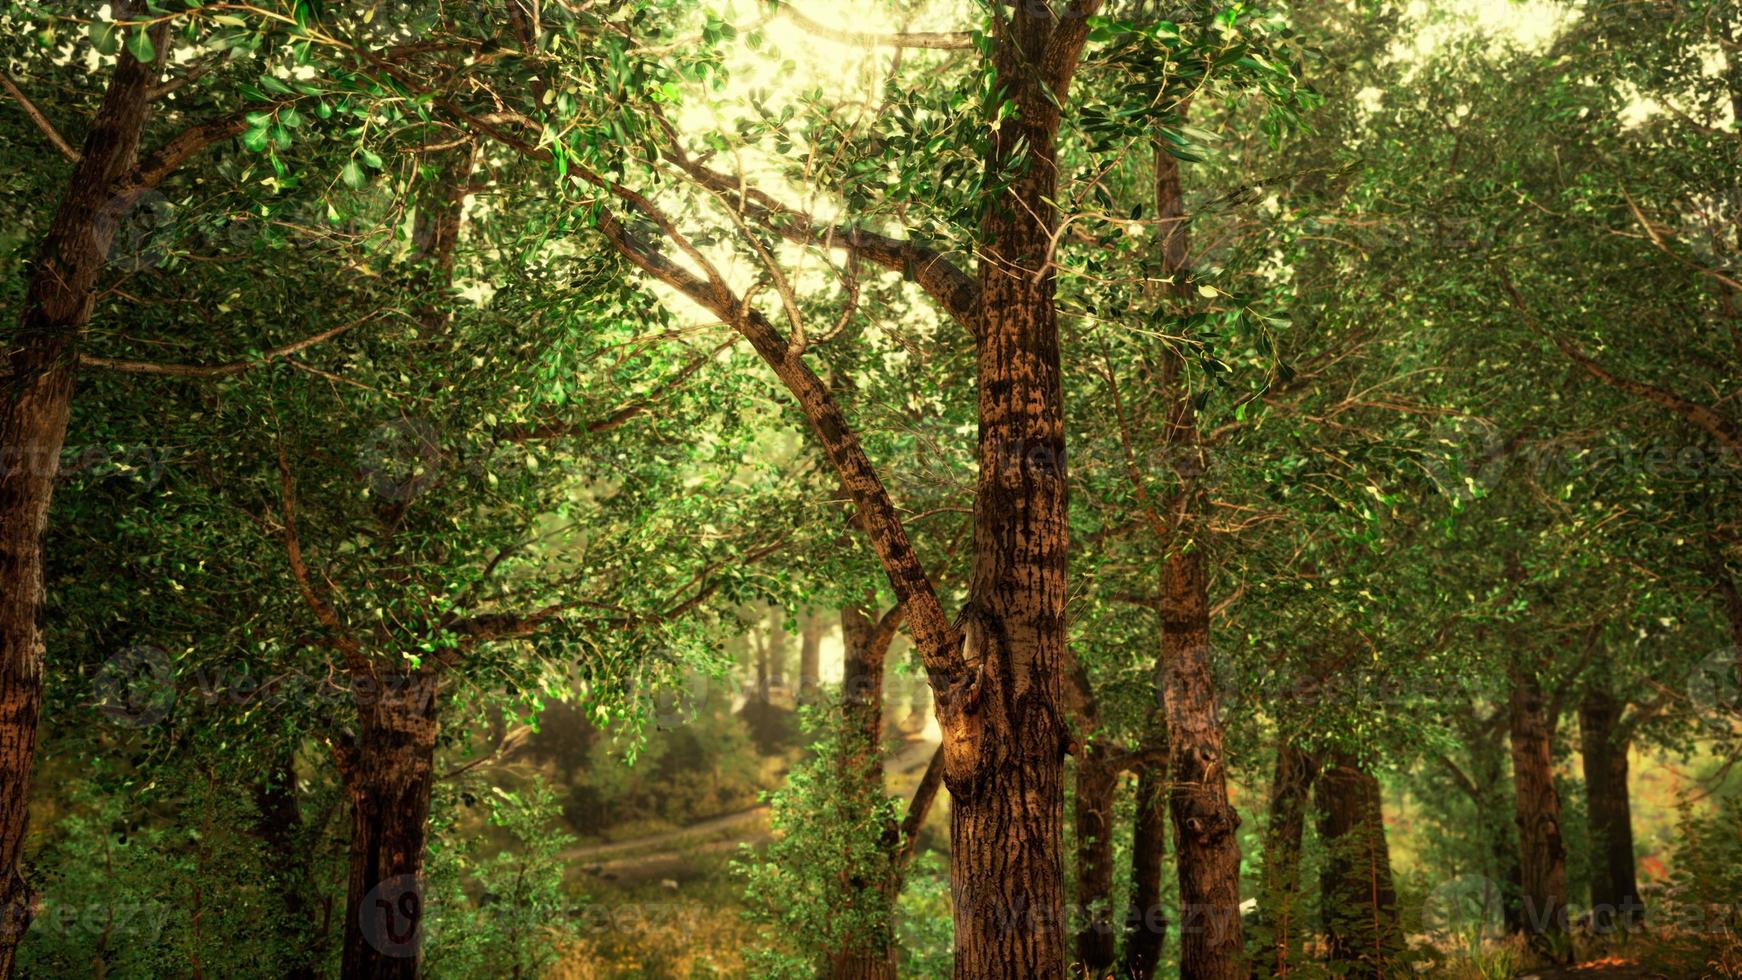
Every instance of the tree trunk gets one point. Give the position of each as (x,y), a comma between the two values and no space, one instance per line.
(1542,853)
(777,649)
(280,827)
(1615,902)
(34,409)
(388,774)
(1204,822)
(1145,920)
(810,674)
(1207,851)
(867,646)
(1279,896)
(1492,801)
(1097,781)
(1005,732)
(1362,933)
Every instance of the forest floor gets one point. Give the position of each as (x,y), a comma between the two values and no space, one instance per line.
(1609,968)
(678,855)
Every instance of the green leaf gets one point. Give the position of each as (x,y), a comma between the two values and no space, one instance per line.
(353,175)
(104,37)
(140,46)
(255,139)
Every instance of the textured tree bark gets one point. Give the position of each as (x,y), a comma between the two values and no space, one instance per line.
(1207,851)
(997,673)
(1604,742)
(1362,934)
(34,408)
(1097,781)
(1145,920)
(389,772)
(1005,733)
(1204,821)
(1542,852)
(1279,896)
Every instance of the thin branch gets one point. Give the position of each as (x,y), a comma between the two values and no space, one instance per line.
(936,40)
(42,122)
(1716,424)
(323,610)
(225,369)
(953,289)
(621,416)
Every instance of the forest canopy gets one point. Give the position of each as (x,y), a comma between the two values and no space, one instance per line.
(871,488)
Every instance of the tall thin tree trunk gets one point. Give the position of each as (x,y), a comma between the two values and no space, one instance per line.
(389,772)
(1146,920)
(810,674)
(1097,781)
(777,648)
(1362,932)
(35,404)
(1279,896)
(867,643)
(1495,823)
(1604,742)
(1204,822)
(280,826)
(1207,851)
(1542,852)
(389,767)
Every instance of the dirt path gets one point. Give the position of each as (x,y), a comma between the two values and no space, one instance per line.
(672,853)
(1607,969)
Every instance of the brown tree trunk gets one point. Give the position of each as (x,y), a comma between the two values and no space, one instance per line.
(1207,851)
(1204,822)
(389,771)
(1279,895)
(1097,781)
(1146,920)
(35,404)
(1604,742)
(1542,853)
(867,646)
(1004,728)
(1362,933)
